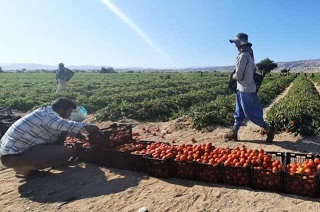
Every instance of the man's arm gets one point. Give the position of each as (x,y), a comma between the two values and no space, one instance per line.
(91,128)
(241,66)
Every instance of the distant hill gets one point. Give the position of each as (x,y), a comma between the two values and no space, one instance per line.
(304,65)
(312,64)
(33,66)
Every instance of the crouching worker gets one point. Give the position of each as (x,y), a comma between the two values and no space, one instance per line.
(35,141)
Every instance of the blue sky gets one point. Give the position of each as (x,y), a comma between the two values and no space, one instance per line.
(155,33)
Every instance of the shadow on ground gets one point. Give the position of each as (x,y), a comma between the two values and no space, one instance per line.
(77,182)
(308,144)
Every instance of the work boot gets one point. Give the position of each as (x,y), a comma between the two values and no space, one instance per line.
(231,136)
(270,134)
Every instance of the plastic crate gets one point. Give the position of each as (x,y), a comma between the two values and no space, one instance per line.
(137,163)
(158,167)
(265,179)
(83,153)
(237,176)
(112,158)
(6,120)
(5,110)
(86,154)
(208,173)
(300,184)
(183,169)
(108,138)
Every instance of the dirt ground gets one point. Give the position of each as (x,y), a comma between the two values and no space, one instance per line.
(87,187)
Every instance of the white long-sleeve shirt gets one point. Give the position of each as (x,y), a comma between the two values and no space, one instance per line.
(42,126)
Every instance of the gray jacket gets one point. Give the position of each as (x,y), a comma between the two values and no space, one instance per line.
(244,73)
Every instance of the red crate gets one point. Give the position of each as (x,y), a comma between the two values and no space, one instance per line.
(158,167)
(266,179)
(237,176)
(208,173)
(300,184)
(110,137)
(183,169)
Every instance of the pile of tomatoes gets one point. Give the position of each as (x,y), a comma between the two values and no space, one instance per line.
(134,146)
(301,177)
(119,137)
(111,137)
(76,141)
(307,167)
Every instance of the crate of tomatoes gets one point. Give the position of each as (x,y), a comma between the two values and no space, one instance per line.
(300,176)
(137,156)
(235,166)
(187,159)
(128,156)
(158,158)
(182,165)
(208,172)
(110,137)
(83,150)
(208,164)
(267,171)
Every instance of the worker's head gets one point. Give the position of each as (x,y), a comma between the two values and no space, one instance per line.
(240,40)
(63,106)
(61,65)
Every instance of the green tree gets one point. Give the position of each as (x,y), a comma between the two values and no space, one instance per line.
(1,69)
(266,65)
(107,70)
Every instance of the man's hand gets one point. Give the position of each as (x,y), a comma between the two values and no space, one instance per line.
(80,136)
(91,128)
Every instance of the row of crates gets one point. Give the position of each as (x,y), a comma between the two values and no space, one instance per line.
(261,179)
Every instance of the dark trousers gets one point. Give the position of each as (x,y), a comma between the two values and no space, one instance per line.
(38,157)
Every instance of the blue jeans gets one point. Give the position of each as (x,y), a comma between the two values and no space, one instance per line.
(248,106)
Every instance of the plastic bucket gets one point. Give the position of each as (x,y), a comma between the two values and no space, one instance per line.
(79,114)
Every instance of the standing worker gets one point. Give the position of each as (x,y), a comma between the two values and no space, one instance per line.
(63,75)
(247,103)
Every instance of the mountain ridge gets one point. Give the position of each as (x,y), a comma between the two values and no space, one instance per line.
(309,64)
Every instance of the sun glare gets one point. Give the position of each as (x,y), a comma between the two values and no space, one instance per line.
(134,27)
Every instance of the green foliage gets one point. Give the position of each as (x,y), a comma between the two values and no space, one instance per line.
(266,65)
(107,70)
(299,111)
(274,87)
(215,113)
(140,96)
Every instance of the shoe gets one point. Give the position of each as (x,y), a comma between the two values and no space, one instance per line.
(262,131)
(270,134)
(32,174)
(231,136)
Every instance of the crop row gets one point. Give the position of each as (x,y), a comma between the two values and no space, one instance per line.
(299,110)
(141,96)
(220,112)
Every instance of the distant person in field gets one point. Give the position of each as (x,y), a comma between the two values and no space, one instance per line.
(247,101)
(36,141)
(63,75)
